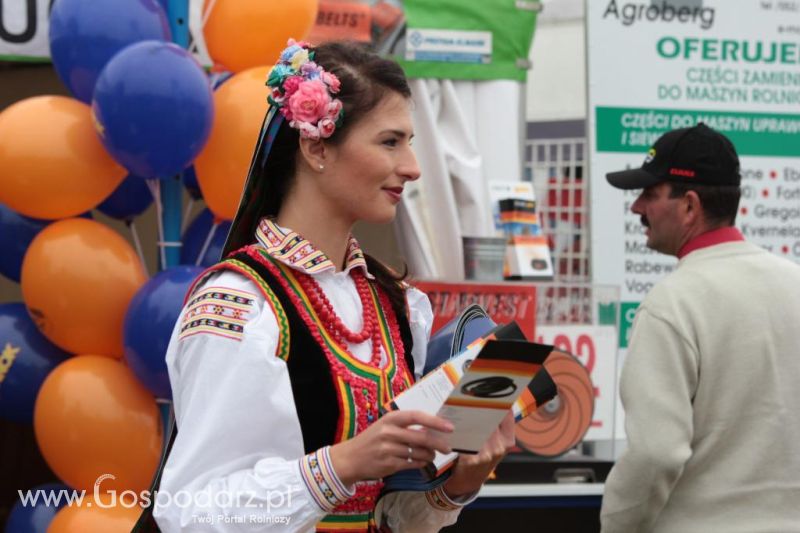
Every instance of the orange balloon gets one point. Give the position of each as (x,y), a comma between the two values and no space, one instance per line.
(246,33)
(240,105)
(78,277)
(92,418)
(52,165)
(89,517)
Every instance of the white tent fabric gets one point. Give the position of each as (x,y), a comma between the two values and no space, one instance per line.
(467,132)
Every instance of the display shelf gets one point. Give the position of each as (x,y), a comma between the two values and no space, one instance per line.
(524,490)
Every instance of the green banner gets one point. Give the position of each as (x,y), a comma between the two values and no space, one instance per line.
(621,129)
(457,39)
(626,316)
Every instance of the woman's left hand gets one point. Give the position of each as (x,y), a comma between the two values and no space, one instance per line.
(471,470)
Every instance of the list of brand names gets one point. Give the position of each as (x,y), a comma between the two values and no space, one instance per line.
(769,213)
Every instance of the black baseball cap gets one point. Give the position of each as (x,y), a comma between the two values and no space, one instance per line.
(695,156)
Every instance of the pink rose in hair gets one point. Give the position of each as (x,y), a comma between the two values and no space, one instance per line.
(334,108)
(306,129)
(310,101)
(291,84)
(292,42)
(331,81)
(326,128)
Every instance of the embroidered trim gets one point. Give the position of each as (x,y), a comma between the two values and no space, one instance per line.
(293,250)
(438,499)
(218,311)
(322,483)
(348,523)
(284,332)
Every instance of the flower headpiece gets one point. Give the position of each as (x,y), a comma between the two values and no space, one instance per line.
(303,92)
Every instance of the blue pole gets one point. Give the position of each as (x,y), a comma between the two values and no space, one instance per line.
(171,188)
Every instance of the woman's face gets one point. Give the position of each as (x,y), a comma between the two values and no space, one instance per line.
(364,175)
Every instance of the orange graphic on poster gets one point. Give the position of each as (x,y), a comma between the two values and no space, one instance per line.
(341,20)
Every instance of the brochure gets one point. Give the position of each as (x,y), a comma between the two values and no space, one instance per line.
(475,389)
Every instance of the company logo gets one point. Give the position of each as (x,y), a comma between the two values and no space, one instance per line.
(665,11)
(651,154)
(681,172)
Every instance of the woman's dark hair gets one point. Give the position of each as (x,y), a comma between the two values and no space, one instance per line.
(365,79)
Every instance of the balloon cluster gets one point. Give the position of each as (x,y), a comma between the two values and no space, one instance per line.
(82,358)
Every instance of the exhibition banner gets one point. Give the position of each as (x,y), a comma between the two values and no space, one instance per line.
(596,348)
(23,30)
(448,39)
(454,39)
(660,65)
(504,302)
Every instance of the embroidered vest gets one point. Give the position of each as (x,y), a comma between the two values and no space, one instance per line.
(336,395)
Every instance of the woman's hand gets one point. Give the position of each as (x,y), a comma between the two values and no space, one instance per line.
(470,471)
(383,448)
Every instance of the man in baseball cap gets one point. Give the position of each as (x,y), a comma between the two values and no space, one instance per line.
(709,381)
(691,182)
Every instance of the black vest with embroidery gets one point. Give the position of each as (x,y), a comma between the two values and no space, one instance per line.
(309,371)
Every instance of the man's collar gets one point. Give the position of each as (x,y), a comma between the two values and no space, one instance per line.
(293,250)
(710,238)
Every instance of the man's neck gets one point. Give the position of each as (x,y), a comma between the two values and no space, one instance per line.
(716,235)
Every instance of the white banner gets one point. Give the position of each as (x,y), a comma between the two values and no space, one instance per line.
(659,65)
(24,31)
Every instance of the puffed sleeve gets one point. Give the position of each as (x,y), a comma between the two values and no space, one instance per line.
(420,512)
(420,318)
(238,462)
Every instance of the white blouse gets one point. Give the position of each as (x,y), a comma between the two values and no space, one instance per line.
(237,462)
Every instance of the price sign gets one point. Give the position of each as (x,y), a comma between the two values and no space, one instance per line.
(596,348)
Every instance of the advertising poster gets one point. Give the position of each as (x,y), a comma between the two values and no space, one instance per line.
(595,347)
(656,65)
(23,30)
(503,302)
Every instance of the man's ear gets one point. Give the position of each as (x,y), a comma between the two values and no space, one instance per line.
(693,208)
(315,153)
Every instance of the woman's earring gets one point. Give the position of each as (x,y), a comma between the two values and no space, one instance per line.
(321,166)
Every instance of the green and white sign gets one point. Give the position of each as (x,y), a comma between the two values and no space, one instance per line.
(659,65)
(469,40)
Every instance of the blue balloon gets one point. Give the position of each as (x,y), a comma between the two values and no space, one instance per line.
(154,108)
(16,234)
(36,517)
(189,178)
(149,321)
(195,237)
(129,200)
(84,36)
(26,358)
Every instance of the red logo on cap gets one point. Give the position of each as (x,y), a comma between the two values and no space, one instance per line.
(681,172)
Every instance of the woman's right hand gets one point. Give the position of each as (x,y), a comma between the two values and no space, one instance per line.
(383,448)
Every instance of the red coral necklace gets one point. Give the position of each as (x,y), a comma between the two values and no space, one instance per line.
(334,325)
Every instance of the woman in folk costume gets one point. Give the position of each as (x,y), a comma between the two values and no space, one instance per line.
(286,350)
